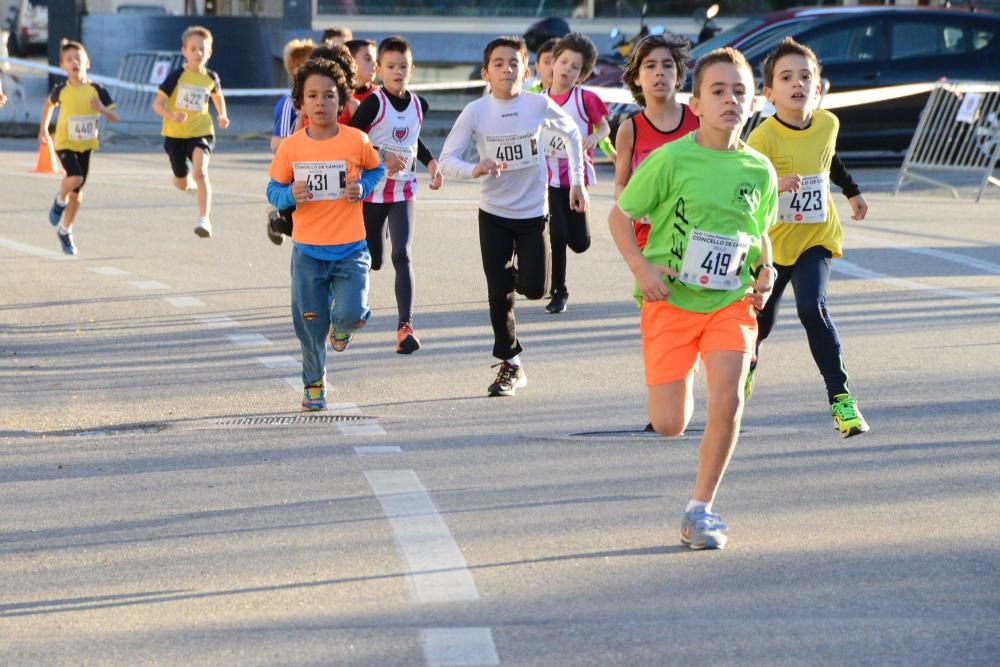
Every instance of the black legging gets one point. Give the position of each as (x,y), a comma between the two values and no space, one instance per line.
(400,232)
(567,228)
(809,277)
(501,241)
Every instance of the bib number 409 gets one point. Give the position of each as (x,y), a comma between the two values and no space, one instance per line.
(510,152)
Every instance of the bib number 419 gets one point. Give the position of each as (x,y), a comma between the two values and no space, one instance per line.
(718,263)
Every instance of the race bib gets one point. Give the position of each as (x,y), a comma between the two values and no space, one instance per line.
(191,98)
(82,128)
(714,261)
(324,180)
(407,173)
(515,151)
(555,146)
(808,205)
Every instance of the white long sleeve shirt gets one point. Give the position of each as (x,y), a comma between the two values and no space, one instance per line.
(509,131)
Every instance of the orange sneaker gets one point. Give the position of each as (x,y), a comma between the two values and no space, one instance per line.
(406,341)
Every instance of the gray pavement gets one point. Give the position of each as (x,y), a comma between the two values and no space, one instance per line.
(145,519)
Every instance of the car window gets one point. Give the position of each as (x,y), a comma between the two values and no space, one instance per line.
(981,38)
(914,39)
(770,37)
(857,42)
(726,36)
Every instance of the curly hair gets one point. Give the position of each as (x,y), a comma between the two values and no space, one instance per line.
(340,55)
(787,47)
(329,68)
(680,52)
(581,44)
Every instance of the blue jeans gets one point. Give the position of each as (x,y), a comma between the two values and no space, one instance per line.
(325,292)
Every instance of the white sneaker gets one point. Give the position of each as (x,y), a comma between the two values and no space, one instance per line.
(203,228)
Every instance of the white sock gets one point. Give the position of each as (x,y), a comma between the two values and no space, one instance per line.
(61,228)
(62,202)
(698,506)
(515,360)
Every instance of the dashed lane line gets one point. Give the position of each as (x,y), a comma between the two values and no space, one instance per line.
(147,284)
(249,339)
(436,569)
(184,301)
(459,647)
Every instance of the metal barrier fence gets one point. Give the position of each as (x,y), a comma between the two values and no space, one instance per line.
(142,67)
(959,131)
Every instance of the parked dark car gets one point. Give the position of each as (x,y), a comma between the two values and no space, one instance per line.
(871,47)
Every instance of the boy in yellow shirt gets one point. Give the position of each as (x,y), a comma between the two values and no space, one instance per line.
(800,141)
(189,135)
(81,105)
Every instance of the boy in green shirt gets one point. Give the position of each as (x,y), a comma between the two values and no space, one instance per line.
(707,265)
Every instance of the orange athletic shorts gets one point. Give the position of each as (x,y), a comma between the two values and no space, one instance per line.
(673,338)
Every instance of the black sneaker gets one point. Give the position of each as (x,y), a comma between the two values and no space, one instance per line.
(509,379)
(66,239)
(276,237)
(557,304)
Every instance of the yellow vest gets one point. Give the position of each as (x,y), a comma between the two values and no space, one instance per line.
(808,218)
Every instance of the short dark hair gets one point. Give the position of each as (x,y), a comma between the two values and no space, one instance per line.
(547,46)
(787,47)
(355,45)
(680,52)
(333,70)
(67,44)
(726,54)
(578,43)
(395,43)
(337,31)
(512,41)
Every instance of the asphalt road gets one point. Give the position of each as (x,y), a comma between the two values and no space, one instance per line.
(150,514)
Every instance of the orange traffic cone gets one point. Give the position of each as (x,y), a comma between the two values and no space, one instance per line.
(47,162)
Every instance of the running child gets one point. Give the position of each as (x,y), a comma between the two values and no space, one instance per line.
(188,131)
(81,104)
(710,200)
(573,57)
(800,141)
(297,51)
(543,66)
(325,171)
(392,117)
(513,209)
(655,71)
(363,52)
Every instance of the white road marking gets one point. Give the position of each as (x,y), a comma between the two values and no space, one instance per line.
(147,284)
(343,408)
(108,271)
(37,252)
(436,569)
(183,301)
(459,647)
(248,339)
(356,429)
(280,361)
(845,267)
(215,321)
(296,383)
(972,262)
(378,449)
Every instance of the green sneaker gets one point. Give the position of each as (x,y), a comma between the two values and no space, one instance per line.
(847,417)
(314,396)
(748,385)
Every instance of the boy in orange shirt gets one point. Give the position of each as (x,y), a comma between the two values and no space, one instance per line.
(324,171)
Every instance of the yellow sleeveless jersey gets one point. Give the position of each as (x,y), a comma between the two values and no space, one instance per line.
(189,92)
(77,127)
(806,218)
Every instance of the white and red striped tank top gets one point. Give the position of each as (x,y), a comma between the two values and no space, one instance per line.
(556,157)
(396,132)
